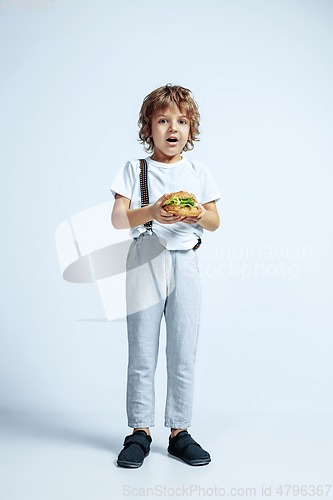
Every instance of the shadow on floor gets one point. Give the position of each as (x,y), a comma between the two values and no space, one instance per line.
(82,429)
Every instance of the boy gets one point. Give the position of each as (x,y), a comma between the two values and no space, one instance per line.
(169,123)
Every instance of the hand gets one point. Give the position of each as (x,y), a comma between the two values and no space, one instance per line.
(195,220)
(162,215)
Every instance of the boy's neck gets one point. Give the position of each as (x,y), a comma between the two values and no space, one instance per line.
(162,158)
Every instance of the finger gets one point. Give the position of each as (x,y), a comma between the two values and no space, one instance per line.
(171,220)
(163,197)
(165,212)
(166,215)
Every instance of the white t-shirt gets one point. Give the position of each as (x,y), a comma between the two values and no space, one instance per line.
(184,175)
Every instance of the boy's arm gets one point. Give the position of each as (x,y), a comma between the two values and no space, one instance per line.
(208,219)
(124,217)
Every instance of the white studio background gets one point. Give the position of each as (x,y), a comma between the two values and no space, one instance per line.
(72,82)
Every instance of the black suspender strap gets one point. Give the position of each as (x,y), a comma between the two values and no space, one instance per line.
(144,190)
(196,246)
(145,197)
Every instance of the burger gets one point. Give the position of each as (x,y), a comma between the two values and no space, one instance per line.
(182,203)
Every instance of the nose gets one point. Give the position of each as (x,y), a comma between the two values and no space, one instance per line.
(173,126)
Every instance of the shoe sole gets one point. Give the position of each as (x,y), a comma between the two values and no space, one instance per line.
(191,462)
(131,465)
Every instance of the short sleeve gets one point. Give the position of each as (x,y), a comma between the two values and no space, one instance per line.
(209,188)
(124,181)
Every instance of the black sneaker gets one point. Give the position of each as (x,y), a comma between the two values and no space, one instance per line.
(136,449)
(184,447)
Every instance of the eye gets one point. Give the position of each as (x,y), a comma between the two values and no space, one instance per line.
(162,120)
(183,122)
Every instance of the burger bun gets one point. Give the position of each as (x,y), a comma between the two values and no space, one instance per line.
(182,211)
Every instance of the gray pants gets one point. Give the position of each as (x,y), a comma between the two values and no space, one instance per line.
(161,281)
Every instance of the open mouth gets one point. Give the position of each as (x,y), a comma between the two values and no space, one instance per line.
(172,139)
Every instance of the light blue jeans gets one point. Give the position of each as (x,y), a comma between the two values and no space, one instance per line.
(161,281)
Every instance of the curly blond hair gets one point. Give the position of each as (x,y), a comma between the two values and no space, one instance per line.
(161,98)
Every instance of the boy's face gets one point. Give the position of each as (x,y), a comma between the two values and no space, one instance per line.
(170,131)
